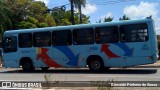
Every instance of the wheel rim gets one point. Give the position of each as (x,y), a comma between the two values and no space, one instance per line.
(95,65)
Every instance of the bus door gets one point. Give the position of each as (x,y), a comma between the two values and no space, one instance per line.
(135,38)
(10,54)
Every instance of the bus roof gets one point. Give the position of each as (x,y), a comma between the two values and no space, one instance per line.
(71,27)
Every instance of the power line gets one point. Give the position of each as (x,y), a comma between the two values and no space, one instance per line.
(62,7)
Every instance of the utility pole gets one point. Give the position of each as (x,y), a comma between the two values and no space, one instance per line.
(72,13)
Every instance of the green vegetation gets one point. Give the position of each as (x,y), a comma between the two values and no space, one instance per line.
(124,18)
(24,14)
(158,41)
(103,85)
(109,19)
(48,78)
(78,4)
(5,20)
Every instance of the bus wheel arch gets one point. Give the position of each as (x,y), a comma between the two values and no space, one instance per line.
(27,64)
(95,63)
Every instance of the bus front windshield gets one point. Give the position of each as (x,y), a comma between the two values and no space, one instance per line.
(10,44)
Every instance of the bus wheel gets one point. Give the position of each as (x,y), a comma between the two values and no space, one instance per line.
(44,68)
(27,66)
(96,65)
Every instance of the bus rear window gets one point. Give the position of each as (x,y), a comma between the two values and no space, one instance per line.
(134,32)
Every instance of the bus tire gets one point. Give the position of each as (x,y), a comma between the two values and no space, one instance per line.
(27,66)
(96,64)
(44,68)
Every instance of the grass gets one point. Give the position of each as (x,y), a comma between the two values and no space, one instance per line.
(103,85)
(100,85)
(48,78)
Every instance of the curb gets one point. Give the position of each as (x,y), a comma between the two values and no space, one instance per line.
(147,66)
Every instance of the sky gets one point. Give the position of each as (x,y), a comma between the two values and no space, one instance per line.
(99,9)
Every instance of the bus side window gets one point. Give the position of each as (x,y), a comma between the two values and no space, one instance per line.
(122,34)
(25,40)
(134,32)
(97,36)
(42,39)
(61,38)
(10,44)
(107,34)
(83,36)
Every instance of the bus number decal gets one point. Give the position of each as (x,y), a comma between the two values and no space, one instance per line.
(42,54)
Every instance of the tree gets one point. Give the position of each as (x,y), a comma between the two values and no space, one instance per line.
(50,20)
(78,4)
(5,22)
(108,19)
(158,42)
(72,12)
(30,22)
(58,15)
(19,10)
(63,17)
(99,21)
(85,19)
(124,18)
(38,10)
(26,11)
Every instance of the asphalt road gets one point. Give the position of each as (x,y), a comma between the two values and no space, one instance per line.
(115,74)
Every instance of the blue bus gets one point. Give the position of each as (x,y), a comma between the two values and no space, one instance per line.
(97,46)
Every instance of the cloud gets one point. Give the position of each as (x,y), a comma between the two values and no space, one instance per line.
(89,9)
(45,1)
(144,9)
